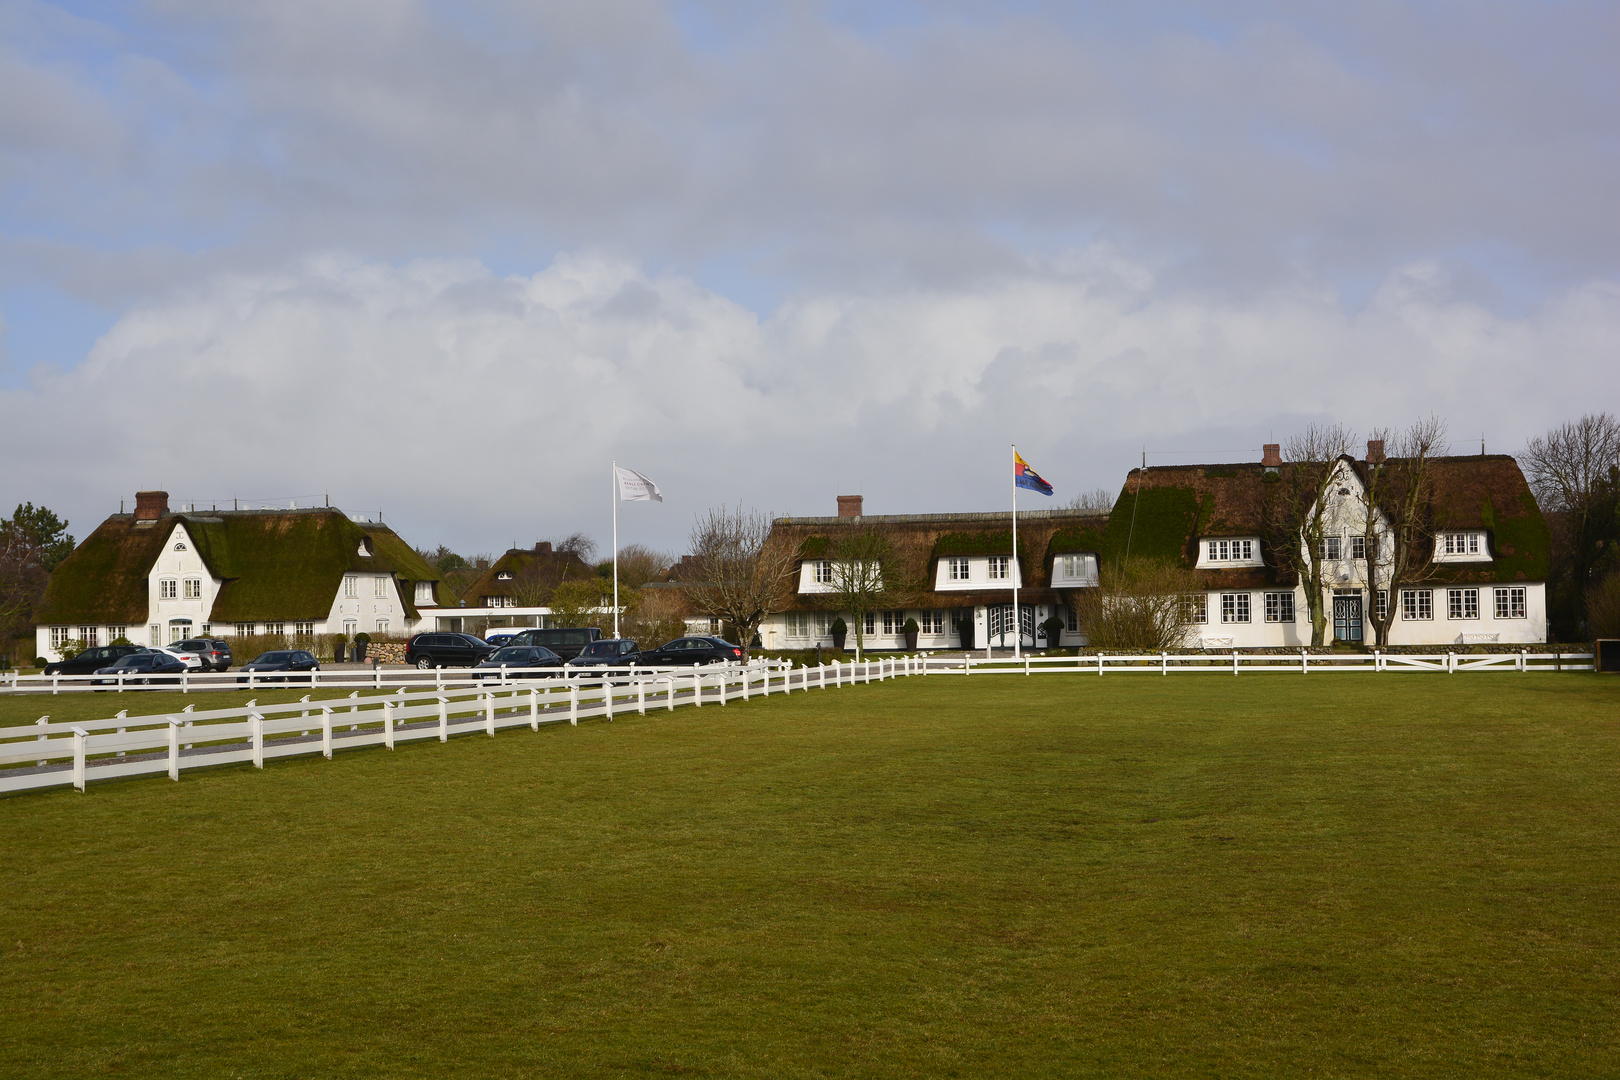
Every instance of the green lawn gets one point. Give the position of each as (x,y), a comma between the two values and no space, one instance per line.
(1346,875)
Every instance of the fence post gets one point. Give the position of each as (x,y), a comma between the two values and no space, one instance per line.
(1099,661)
(573,703)
(388,724)
(1378,660)
(188,708)
(534,709)
(697,688)
(641,697)
(174,749)
(305,714)
(355,708)
(1305,663)
(43,721)
(1524,662)
(256,730)
(489,711)
(1234,661)
(607,699)
(185,681)
(326,732)
(1451,663)
(670,693)
(79,735)
(747,677)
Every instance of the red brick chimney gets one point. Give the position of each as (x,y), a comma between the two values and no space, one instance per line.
(151,505)
(542,547)
(1271,459)
(849,506)
(1375,451)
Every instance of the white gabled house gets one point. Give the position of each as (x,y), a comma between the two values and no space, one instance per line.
(156,577)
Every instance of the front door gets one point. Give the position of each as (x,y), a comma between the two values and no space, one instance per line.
(1347,616)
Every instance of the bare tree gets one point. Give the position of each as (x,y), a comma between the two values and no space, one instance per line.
(578,544)
(1398,526)
(745,578)
(1574,470)
(857,567)
(536,580)
(1297,512)
(1095,499)
(639,564)
(1141,605)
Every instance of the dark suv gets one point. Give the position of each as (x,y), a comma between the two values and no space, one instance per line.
(215,653)
(98,657)
(445,649)
(566,641)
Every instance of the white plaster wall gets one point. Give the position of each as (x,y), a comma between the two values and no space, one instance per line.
(179,565)
(365,608)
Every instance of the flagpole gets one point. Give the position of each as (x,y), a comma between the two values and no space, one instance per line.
(613,491)
(1018,616)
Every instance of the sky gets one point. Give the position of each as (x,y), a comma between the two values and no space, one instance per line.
(447,261)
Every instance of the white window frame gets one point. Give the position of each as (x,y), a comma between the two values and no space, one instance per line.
(380,588)
(244,629)
(116,632)
(1332,548)
(351,587)
(1000,568)
(1279,607)
(1462,604)
(823,572)
(424,592)
(382,627)
(1236,607)
(303,629)
(1358,547)
(1194,609)
(168,588)
(1382,604)
(1417,605)
(193,588)
(1512,603)
(60,635)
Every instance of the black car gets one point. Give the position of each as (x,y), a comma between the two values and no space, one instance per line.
(522,661)
(215,653)
(445,649)
(141,669)
(607,652)
(279,660)
(566,641)
(692,651)
(93,659)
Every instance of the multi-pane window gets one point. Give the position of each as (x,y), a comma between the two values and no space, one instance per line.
(244,629)
(304,629)
(999,567)
(1462,603)
(931,622)
(168,588)
(154,634)
(1510,603)
(382,626)
(1280,607)
(1382,604)
(61,635)
(207,629)
(380,585)
(1332,547)
(351,587)
(179,631)
(1234,607)
(1358,547)
(1461,543)
(959,569)
(871,622)
(894,622)
(1195,608)
(193,588)
(424,592)
(823,571)
(275,628)
(1074,621)
(1231,550)
(116,632)
(1417,605)
(1077,568)
(88,635)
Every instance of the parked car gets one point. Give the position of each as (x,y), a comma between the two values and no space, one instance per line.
(262,667)
(192,658)
(446,650)
(566,641)
(524,661)
(692,651)
(502,636)
(141,669)
(607,652)
(92,659)
(215,652)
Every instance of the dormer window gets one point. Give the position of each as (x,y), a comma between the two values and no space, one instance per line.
(365,548)
(1460,543)
(1074,570)
(999,565)
(504,575)
(960,570)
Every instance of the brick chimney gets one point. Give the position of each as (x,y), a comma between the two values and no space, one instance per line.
(849,506)
(542,547)
(1375,451)
(151,505)
(1271,459)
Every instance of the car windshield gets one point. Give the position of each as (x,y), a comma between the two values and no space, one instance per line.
(273,658)
(134,660)
(601,648)
(515,655)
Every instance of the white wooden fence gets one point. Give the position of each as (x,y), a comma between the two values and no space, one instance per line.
(47,754)
(1305,663)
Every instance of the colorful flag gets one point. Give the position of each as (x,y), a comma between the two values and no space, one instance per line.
(634,487)
(1026,477)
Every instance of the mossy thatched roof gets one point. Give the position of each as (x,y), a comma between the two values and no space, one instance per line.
(283,565)
(552,566)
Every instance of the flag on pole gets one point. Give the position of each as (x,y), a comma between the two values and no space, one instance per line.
(633,487)
(1026,477)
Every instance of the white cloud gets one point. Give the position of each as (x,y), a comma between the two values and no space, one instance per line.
(479,409)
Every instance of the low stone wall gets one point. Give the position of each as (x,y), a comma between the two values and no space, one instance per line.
(388,652)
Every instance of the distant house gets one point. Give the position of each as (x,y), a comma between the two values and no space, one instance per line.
(1482,576)
(954,572)
(521,576)
(156,577)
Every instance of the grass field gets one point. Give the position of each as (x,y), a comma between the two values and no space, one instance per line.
(1350,875)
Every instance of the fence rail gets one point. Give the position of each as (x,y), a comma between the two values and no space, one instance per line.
(1235,662)
(55,754)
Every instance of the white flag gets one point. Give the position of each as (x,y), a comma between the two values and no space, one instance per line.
(633,487)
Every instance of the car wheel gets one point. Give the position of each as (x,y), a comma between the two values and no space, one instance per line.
(424,662)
